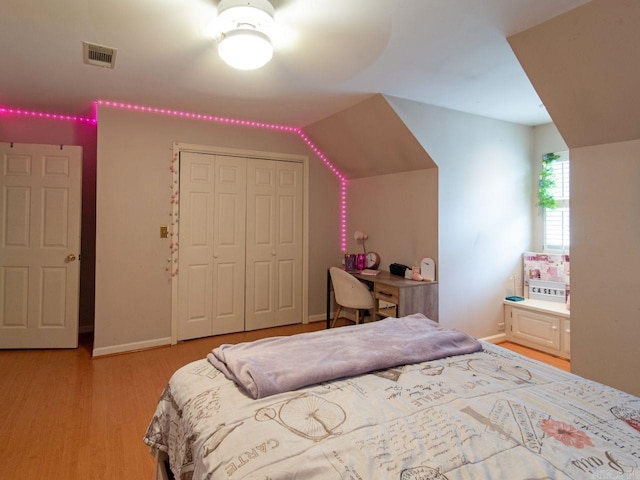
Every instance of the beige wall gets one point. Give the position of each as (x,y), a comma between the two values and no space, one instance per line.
(369,139)
(19,129)
(399,212)
(484,209)
(133,292)
(585,66)
(605,261)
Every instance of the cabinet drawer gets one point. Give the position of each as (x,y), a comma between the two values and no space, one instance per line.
(536,328)
(388,293)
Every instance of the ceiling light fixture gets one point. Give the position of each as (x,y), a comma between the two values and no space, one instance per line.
(243,24)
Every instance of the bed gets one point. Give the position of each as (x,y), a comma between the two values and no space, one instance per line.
(488,414)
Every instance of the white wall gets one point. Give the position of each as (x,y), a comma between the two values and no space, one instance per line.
(133,290)
(546,139)
(484,213)
(605,264)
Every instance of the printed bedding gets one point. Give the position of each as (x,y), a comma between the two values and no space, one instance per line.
(491,414)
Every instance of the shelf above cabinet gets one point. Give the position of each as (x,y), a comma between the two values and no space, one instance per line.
(555,308)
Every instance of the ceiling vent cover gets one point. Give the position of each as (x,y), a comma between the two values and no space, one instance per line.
(99,55)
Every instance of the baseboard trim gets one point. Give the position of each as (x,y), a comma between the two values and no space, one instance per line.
(501,337)
(318,317)
(131,347)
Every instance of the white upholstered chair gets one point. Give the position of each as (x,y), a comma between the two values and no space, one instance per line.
(350,293)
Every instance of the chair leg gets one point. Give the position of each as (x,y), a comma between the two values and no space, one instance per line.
(357,316)
(336,317)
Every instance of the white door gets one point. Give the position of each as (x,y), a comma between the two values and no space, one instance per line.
(40,207)
(229,244)
(211,251)
(274,244)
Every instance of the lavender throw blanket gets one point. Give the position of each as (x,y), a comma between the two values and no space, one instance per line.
(279,364)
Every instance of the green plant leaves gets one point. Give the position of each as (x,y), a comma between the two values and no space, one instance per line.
(546,182)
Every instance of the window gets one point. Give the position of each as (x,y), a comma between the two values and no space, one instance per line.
(556,219)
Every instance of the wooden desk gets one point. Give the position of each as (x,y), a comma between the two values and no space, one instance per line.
(407,296)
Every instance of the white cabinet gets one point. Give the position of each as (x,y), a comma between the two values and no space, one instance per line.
(538,325)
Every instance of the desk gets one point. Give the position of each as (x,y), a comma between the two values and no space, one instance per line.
(407,296)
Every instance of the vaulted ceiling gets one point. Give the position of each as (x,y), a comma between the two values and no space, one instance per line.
(585,65)
(330,55)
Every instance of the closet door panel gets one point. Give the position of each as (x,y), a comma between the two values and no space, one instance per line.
(229,244)
(196,250)
(226,304)
(286,287)
(274,238)
(289,243)
(199,285)
(262,276)
(261,244)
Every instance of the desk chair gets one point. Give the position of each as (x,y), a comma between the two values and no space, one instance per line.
(350,293)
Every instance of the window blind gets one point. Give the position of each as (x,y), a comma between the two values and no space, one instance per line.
(556,220)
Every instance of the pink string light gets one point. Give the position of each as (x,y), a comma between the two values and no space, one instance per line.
(46,115)
(211,118)
(343,188)
(197,116)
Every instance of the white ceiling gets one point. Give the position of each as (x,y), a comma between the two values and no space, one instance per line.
(330,54)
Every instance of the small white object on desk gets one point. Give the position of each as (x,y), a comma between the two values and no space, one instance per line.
(428,269)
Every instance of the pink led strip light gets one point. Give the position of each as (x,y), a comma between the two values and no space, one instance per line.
(343,188)
(50,116)
(211,118)
(197,116)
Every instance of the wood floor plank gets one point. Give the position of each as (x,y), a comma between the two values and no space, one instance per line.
(561,363)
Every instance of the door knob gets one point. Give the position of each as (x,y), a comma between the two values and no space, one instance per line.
(70,258)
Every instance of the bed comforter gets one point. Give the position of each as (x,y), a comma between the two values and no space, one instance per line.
(492,414)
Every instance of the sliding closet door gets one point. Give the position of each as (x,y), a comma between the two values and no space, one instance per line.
(211,255)
(274,244)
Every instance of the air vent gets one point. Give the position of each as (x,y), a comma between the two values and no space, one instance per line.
(99,55)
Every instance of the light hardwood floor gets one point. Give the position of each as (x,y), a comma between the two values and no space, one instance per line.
(65,415)
(561,363)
